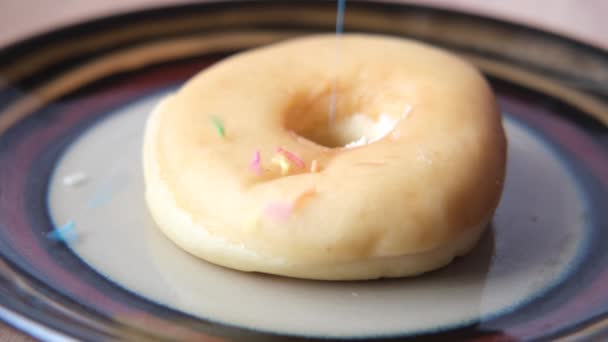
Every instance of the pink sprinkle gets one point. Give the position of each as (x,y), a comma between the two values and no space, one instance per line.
(255,163)
(295,159)
(279,210)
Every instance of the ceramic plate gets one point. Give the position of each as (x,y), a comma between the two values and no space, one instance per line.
(72,107)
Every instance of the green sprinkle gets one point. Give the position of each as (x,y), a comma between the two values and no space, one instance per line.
(219,127)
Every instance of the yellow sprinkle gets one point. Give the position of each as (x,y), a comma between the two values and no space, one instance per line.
(283,163)
(314,166)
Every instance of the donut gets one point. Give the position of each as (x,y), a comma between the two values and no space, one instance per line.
(279,160)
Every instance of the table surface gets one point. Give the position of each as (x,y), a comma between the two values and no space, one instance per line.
(583,20)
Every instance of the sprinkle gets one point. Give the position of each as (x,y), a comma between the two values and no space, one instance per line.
(303,196)
(295,159)
(279,210)
(283,163)
(219,127)
(74,179)
(63,233)
(255,163)
(314,166)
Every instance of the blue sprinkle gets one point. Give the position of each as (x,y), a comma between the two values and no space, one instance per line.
(63,233)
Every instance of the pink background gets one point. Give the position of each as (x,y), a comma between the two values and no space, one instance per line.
(581,19)
(585,20)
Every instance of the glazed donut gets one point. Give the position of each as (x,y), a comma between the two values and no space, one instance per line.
(245,166)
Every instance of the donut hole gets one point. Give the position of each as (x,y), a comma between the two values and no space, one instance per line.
(353,124)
